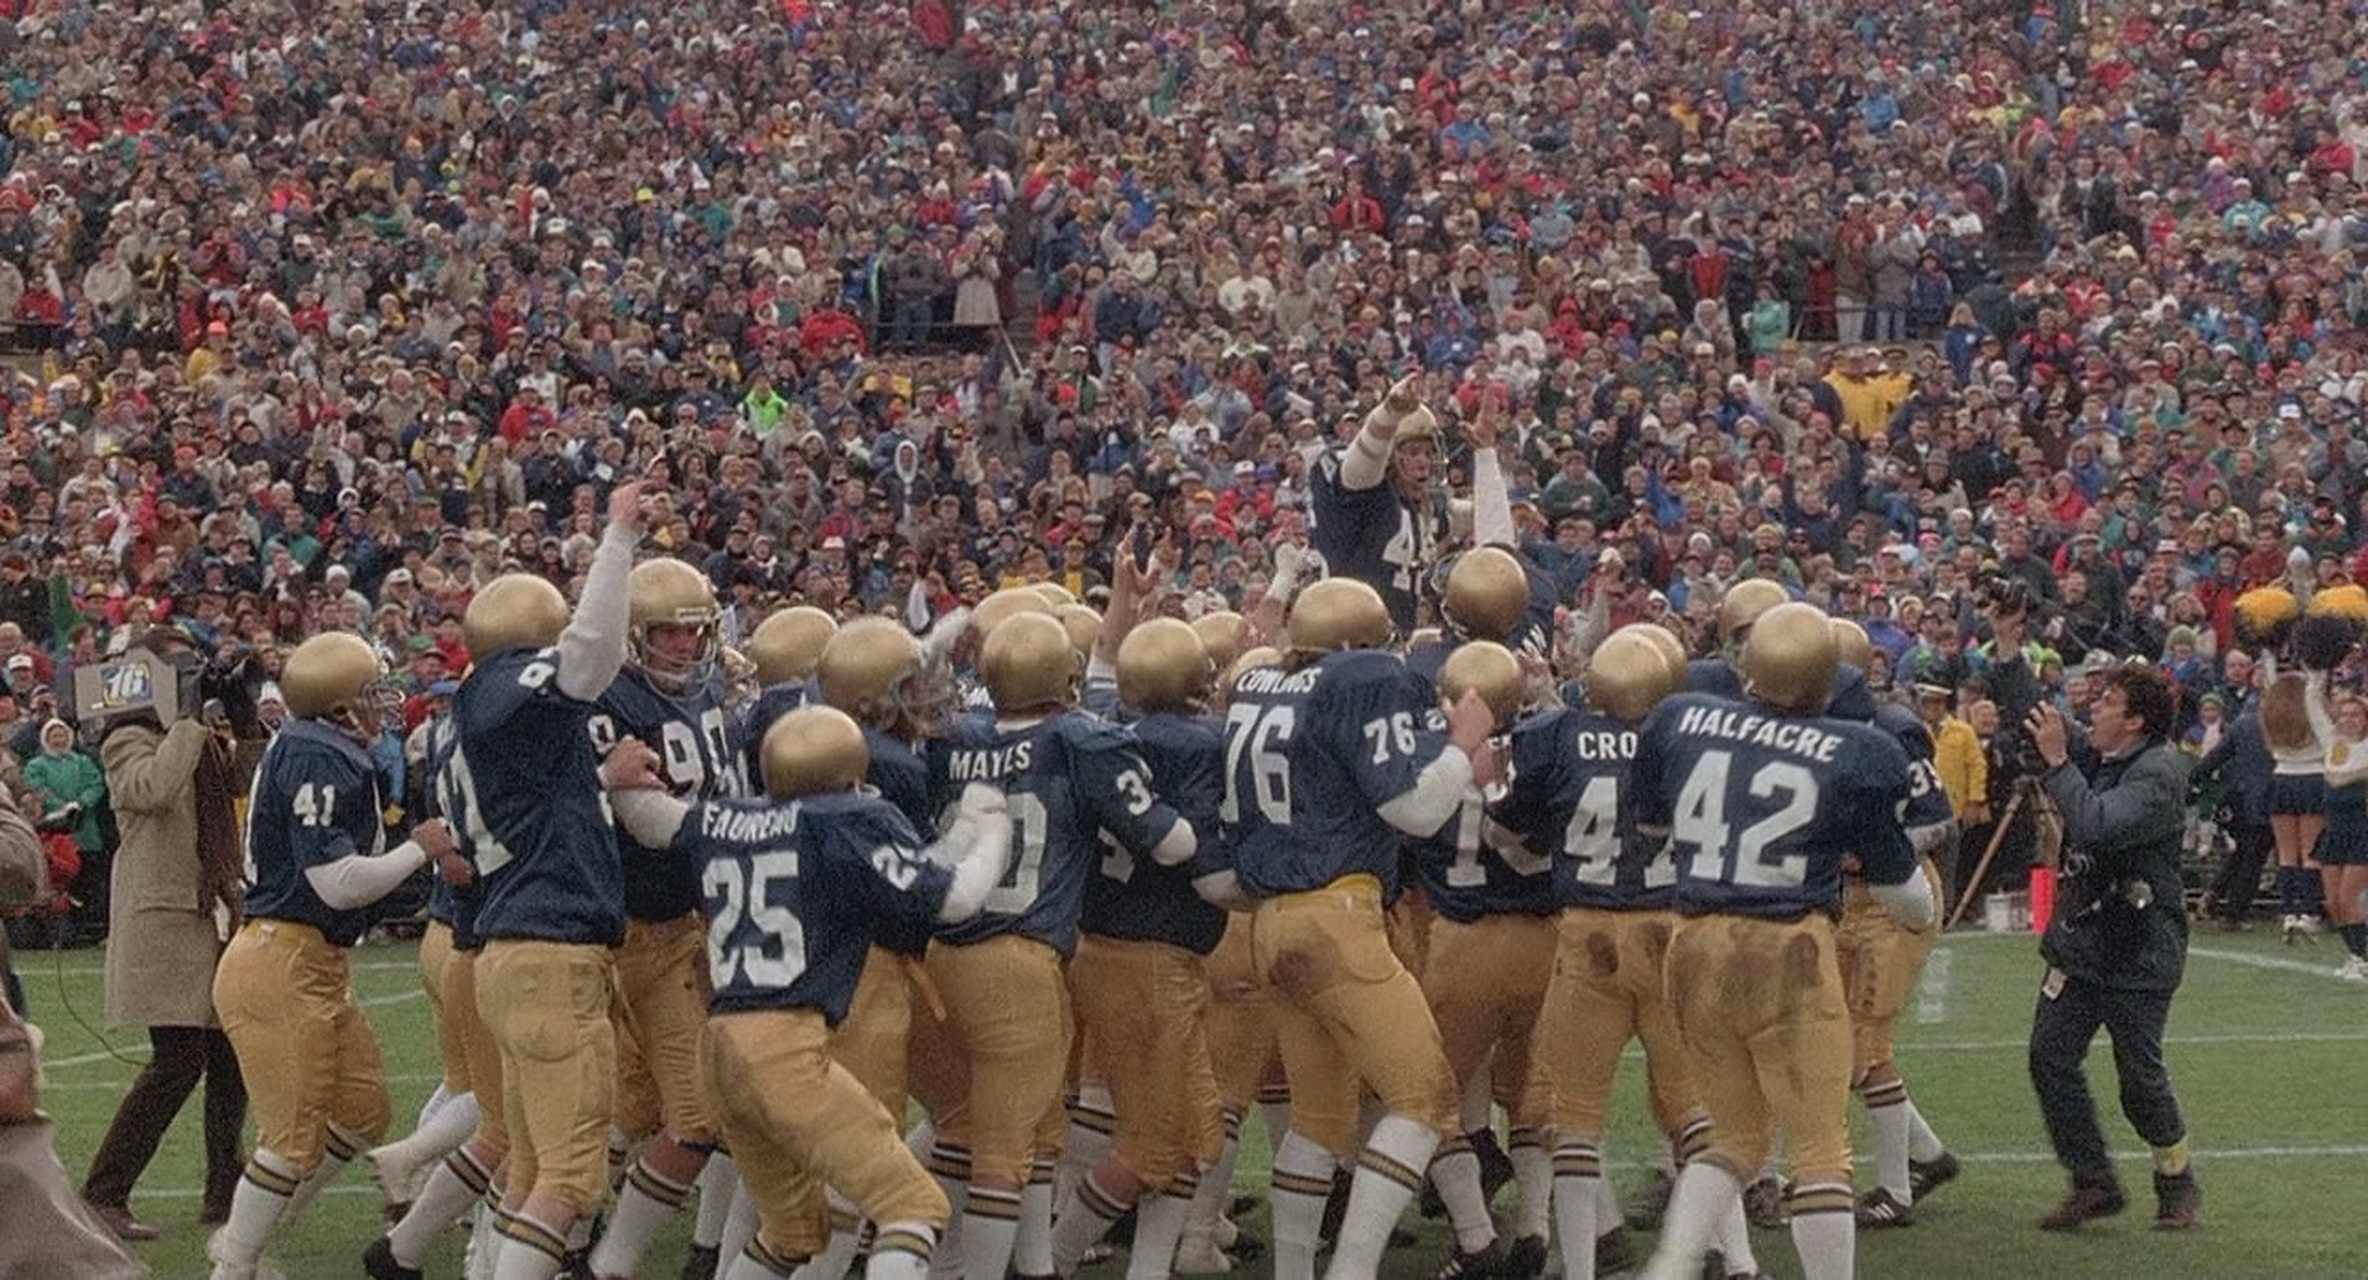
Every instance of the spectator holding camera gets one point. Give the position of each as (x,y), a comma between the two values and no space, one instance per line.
(2117,945)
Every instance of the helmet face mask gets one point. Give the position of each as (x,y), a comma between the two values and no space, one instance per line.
(677,655)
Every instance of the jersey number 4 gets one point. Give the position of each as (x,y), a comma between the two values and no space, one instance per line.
(1722,854)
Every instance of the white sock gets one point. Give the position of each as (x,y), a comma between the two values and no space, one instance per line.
(747,1266)
(1889,1125)
(1607,1208)
(1210,1198)
(1666,1161)
(1533,1172)
(1092,1208)
(1924,1145)
(331,1166)
(435,1103)
(1577,1212)
(1159,1227)
(256,1208)
(485,1244)
(1387,1177)
(846,1236)
(990,1228)
(1827,1243)
(949,1167)
(1457,1175)
(740,1227)
(649,1201)
(397,1164)
(1688,1228)
(900,1263)
(1302,1179)
(441,1201)
(1734,1240)
(1093,1129)
(1031,1250)
(520,1260)
(717,1183)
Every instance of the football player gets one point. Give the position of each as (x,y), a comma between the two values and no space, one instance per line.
(1141,995)
(314,861)
(991,1072)
(1760,801)
(1738,609)
(1490,951)
(551,896)
(1375,516)
(1563,803)
(786,648)
(797,887)
(1881,961)
(1329,760)
(670,697)
(991,613)
(1224,636)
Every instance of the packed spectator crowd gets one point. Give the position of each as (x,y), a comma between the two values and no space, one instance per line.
(332,311)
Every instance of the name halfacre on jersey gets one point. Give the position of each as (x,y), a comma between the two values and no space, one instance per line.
(1761,731)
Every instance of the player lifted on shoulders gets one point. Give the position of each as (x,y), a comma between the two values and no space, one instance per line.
(1377,517)
(1761,800)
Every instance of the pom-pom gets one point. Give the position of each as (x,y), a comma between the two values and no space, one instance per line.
(2324,640)
(2341,602)
(2263,616)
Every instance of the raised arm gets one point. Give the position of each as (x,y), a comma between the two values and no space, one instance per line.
(592,649)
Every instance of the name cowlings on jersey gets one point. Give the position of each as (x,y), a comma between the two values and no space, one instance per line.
(314,800)
(1310,757)
(693,740)
(536,821)
(1137,899)
(1564,801)
(796,893)
(1068,779)
(1761,807)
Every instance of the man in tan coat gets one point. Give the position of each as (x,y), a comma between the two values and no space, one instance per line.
(176,889)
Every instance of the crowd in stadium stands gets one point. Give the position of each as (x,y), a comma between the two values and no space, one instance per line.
(327,312)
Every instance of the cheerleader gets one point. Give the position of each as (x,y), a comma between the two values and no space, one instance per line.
(2297,785)
(2343,846)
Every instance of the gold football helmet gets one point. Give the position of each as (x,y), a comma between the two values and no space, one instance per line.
(1664,641)
(866,668)
(788,644)
(1029,663)
(1487,594)
(1339,613)
(1162,666)
(1053,593)
(514,611)
(335,677)
(671,593)
(1424,637)
(1251,660)
(1743,605)
(1085,626)
(1790,659)
(813,750)
(1224,634)
(1003,606)
(1492,670)
(1629,673)
(1851,644)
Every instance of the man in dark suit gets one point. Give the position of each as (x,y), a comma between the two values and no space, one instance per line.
(2240,762)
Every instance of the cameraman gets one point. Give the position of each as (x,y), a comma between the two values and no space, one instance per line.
(2117,945)
(2007,667)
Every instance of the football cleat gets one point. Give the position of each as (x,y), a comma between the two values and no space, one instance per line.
(1492,1261)
(1487,594)
(1628,674)
(813,750)
(2084,1204)
(1162,666)
(1928,1176)
(1645,1208)
(1743,605)
(1763,1204)
(1880,1208)
(1491,670)
(334,677)
(514,611)
(1225,634)
(1790,660)
(1085,626)
(2178,1201)
(671,593)
(788,645)
(1850,642)
(1029,664)
(1336,614)
(701,1262)
(378,1262)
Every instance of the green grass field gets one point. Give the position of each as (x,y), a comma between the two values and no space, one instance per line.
(2265,1043)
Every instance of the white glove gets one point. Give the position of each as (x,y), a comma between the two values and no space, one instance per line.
(939,644)
(1290,560)
(981,803)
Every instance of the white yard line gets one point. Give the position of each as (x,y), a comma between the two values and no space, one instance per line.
(85,1059)
(2276,963)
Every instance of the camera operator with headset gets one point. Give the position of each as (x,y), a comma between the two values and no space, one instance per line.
(2117,945)
(177,884)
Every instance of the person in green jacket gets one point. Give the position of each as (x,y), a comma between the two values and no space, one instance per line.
(61,776)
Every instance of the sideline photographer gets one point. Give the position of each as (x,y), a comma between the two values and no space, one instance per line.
(2117,945)
(1996,855)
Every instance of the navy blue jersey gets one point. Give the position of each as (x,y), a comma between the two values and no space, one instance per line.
(1310,756)
(535,819)
(901,777)
(1563,801)
(1930,821)
(1853,699)
(1760,807)
(458,903)
(693,740)
(314,800)
(1374,537)
(775,702)
(1424,660)
(1069,779)
(1135,898)
(1714,676)
(795,892)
